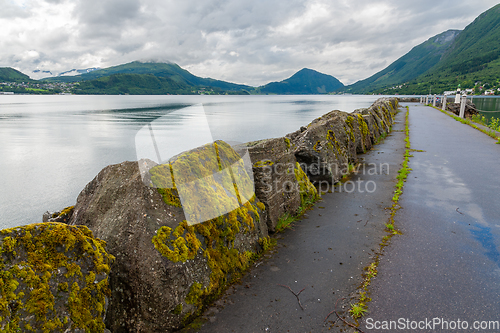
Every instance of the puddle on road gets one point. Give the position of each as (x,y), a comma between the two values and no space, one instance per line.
(486,238)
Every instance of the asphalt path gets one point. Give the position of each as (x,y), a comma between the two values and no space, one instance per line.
(443,273)
(322,257)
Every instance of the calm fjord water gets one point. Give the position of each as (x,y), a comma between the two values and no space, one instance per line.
(52,146)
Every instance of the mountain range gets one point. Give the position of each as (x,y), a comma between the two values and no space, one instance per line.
(468,58)
(8,74)
(149,78)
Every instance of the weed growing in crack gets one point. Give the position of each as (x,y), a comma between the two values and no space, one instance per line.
(357,310)
(360,308)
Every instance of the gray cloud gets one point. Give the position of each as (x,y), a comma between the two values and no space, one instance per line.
(250,42)
(10,10)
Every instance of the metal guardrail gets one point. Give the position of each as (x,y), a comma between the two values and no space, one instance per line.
(428,98)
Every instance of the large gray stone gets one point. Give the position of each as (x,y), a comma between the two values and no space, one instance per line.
(279,180)
(166,269)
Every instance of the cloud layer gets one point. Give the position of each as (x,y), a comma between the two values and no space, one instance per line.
(250,42)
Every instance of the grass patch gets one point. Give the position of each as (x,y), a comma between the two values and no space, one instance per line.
(286,221)
(493,125)
(405,169)
(381,138)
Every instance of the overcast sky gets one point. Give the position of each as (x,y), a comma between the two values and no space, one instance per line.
(251,41)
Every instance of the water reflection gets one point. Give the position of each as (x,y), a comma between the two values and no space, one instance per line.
(484,236)
(488,104)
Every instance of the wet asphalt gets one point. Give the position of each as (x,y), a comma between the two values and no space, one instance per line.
(323,255)
(446,265)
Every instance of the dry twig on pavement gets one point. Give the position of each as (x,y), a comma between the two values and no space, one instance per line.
(347,323)
(295,294)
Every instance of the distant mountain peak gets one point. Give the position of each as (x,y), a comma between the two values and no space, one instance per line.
(305,81)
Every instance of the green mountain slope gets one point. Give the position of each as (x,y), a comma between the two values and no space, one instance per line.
(132,84)
(474,57)
(305,81)
(416,62)
(8,74)
(161,70)
(472,60)
(476,46)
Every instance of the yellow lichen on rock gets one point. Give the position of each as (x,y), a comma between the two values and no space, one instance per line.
(308,193)
(37,263)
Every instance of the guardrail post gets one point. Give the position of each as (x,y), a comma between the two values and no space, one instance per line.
(444,103)
(434,100)
(462,107)
(426,99)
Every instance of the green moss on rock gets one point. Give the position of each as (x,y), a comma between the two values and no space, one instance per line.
(287,143)
(308,192)
(349,121)
(37,264)
(228,193)
(263,163)
(225,261)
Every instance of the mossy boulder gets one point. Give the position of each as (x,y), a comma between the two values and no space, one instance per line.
(379,116)
(324,148)
(279,183)
(168,266)
(53,278)
(327,146)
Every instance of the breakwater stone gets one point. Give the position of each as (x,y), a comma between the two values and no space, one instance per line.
(167,269)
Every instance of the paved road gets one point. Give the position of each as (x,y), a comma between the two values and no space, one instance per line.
(325,253)
(446,265)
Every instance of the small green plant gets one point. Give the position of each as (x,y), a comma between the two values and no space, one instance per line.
(389,226)
(285,222)
(494,124)
(480,119)
(372,272)
(363,298)
(357,310)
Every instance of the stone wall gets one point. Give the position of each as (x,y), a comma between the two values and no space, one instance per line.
(327,146)
(323,149)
